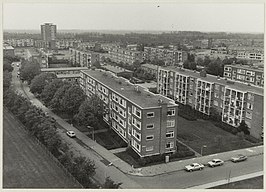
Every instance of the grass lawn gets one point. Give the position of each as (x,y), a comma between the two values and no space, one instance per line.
(253,183)
(110,140)
(132,157)
(195,134)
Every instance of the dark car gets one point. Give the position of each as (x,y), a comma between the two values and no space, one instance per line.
(239,158)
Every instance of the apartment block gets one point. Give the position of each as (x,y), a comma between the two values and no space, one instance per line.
(145,121)
(67,43)
(250,55)
(8,50)
(83,57)
(20,42)
(66,74)
(150,68)
(234,101)
(245,73)
(125,55)
(170,57)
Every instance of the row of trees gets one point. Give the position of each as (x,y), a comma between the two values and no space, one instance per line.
(212,66)
(44,127)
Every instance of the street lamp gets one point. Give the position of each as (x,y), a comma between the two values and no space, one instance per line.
(201,149)
(89,127)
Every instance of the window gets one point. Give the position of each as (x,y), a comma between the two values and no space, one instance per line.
(149,148)
(136,111)
(149,137)
(250,96)
(250,106)
(150,114)
(136,134)
(171,112)
(215,103)
(170,123)
(150,126)
(170,134)
(136,123)
(169,145)
(216,95)
(135,145)
(217,87)
(248,115)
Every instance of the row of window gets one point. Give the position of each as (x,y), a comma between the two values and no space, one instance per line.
(119,100)
(118,119)
(91,81)
(119,129)
(119,110)
(103,89)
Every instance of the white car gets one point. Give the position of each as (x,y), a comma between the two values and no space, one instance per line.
(239,158)
(194,167)
(71,134)
(215,162)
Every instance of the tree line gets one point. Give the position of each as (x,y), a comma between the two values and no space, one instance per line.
(43,127)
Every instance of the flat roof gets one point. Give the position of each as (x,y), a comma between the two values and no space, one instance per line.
(213,79)
(116,69)
(63,69)
(247,67)
(143,99)
(62,76)
(8,47)
(151,66)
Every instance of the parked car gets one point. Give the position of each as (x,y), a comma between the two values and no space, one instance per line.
(215,162)
(71,134)
(239,158)
(194,167)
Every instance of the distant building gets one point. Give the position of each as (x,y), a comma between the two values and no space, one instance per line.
(170,57)
(20,42)
(147,122)
(234,101)
(67,43)
(151,69)
(219,50)
(83,57)
(250,55)
(246,74)
(48,33)
(66,73)
(124,55)
(118,71)
(132,47)
(8,50)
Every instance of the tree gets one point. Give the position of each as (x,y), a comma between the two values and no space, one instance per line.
(7,78)
(90,112)
(57,101)
(29,70)
(7,64)
(110,184)
(38,83)
(243,127)
(72,99)
(200,61)
(50,89)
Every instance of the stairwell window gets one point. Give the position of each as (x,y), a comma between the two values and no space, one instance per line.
(170,134)
(171,112)
(170,123)
(169,145)
(150,114)
(149,137)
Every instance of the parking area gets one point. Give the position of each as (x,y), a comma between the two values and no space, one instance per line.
(206,138)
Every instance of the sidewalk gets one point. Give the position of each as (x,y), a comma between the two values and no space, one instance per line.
(226,181)
(111,159)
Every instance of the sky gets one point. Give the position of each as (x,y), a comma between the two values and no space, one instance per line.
(137,16)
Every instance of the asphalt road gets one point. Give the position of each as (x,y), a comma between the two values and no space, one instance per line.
(182,179)
(26,164)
